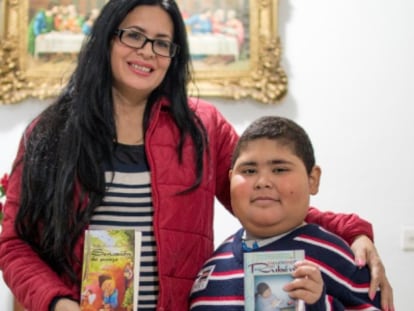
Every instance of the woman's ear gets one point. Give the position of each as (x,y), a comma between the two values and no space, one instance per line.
(314,179)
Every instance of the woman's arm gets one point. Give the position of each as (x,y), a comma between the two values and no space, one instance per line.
(366,253)
(358,233)
(347,226)
(30,279)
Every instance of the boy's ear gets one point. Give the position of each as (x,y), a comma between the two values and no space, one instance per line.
(314,179)
(230,172)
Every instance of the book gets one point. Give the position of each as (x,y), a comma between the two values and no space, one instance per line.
(265,274)
(110,270)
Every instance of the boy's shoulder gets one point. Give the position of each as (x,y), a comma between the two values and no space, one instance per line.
(318,233)
(319,242)
(230,248)
(233,238)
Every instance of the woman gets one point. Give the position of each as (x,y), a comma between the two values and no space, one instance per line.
(123,147)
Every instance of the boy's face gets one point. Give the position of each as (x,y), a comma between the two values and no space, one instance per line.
(270,188)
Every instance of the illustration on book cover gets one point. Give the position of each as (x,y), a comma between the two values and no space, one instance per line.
(110,270)
(265,275)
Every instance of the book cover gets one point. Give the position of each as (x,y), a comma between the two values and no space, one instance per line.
(265,275)
(110,271)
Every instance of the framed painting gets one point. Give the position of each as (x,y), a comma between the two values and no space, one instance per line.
(2,18)
(234,46)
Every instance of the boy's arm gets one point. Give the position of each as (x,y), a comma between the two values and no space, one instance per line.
(347,226)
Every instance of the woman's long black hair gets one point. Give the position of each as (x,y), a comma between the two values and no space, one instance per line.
(74,136)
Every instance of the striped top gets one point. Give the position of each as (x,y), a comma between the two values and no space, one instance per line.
(128,205)
(219,285)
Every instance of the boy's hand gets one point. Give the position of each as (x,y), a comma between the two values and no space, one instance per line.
(366,253)
(308,282)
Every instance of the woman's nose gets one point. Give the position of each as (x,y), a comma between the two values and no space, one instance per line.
(146,49)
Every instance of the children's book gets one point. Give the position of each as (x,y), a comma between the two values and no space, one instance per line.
(265,275)
(110,271)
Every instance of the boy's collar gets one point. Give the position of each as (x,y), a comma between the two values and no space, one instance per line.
(249,243)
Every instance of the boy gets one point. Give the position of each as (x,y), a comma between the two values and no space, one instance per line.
(272,176)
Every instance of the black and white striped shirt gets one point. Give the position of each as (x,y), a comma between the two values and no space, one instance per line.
(128,205)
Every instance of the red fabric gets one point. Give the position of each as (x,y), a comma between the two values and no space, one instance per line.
(348,226)
(183,224)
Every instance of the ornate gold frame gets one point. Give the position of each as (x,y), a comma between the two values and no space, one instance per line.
(264,80)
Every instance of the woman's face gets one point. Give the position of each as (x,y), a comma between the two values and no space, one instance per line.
(140,71)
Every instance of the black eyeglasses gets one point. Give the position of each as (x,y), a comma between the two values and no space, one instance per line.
(137,40)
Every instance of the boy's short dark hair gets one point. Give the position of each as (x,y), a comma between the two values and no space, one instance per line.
(282,130)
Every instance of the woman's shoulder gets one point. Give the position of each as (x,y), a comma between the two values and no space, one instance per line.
(211,117)
(200,104)
(207,111)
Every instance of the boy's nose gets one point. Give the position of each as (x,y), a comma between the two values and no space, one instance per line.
(263,181)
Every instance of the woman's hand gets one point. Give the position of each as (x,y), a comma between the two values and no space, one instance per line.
(308,282)
(65,304)
(366,253)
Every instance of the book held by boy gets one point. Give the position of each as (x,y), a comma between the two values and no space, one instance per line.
(110,271)
(265,274)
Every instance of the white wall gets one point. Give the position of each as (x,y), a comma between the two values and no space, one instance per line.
(349,64)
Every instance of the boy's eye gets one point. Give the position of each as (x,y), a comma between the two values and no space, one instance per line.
(279,170)
(248,171)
